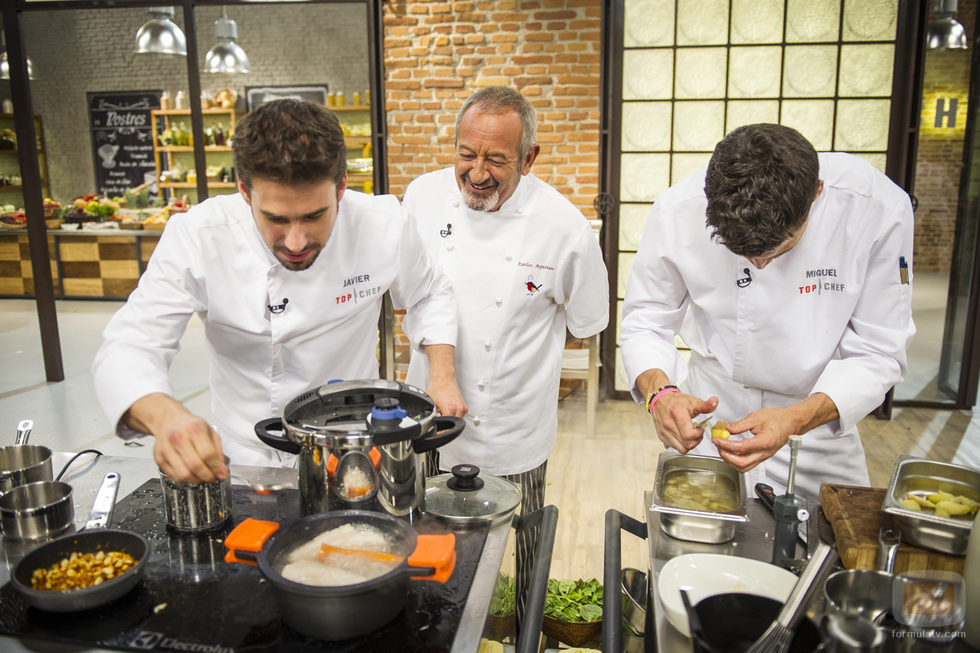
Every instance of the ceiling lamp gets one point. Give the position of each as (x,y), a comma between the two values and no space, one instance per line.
(160,35)
(226,56)
(5,65)
(944,32)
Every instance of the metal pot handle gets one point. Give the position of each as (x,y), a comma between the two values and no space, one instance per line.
(263,430)
(451,427)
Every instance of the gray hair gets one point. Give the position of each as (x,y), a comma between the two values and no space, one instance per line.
(500,99)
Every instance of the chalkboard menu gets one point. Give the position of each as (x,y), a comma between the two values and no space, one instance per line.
(122,139)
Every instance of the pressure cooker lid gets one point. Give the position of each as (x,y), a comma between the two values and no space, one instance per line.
(465,495)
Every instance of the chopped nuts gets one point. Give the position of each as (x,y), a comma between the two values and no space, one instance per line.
(82,570)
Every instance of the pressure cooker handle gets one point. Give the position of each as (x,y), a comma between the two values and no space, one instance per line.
(277,439)
(446,430)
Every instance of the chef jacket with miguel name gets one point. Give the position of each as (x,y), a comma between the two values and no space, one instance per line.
(520,275)
(831,315)
(271,333)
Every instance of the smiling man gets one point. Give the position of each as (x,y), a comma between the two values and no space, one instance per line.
(525,266)
(788,274)
(287,277)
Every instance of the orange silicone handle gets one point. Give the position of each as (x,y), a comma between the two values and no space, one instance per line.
(436,551)
(251,535)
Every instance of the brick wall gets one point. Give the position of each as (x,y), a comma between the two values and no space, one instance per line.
(437,53)
(940,154)
(78,51)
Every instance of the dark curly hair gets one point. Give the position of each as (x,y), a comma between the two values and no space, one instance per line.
(291,142)
(760,183)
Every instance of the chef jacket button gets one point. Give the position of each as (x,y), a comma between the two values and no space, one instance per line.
(482,384)
(476,421)
(449,247)
(500,302)
(508,258)
(486,345)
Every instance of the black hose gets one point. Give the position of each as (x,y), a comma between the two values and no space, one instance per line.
(73,459)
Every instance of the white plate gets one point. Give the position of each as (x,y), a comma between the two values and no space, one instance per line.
(707,574)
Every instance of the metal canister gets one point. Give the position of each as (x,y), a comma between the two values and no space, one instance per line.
(196,507)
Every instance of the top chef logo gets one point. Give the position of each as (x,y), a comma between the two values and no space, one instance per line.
(356,290)
(531,286)
(820,281)
(148,640)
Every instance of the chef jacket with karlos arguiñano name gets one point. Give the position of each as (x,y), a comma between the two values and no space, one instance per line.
(271,333)
(520,275)
(831,315)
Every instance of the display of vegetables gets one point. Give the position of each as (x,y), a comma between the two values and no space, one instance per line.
(574,601)
(503,601)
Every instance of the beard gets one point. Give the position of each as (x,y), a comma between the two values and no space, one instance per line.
(480,202)
(296,266)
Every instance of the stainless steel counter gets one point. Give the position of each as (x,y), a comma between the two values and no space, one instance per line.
(86,474)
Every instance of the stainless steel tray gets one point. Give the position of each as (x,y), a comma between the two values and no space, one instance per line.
(698,525)
(945,534)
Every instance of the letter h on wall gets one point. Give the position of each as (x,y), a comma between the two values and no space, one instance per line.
(943,112)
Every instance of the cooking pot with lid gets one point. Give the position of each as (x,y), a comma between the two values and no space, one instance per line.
(359,444)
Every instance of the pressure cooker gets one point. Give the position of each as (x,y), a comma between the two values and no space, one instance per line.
(360,444)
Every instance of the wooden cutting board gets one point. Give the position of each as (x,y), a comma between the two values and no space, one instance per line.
(855,514)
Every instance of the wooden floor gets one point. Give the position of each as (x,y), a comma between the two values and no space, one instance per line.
(588,474)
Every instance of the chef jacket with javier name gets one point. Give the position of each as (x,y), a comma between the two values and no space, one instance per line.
(832,315)
(520,275)
(271,333)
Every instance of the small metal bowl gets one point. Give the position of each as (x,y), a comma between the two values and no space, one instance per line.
(945,534)
(698,525)
(36,510)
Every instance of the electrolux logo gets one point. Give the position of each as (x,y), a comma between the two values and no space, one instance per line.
(149,640)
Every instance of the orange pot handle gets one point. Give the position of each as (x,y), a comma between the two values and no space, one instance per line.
(246,540)
(437,552)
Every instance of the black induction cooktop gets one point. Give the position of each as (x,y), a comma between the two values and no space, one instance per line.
(191,600)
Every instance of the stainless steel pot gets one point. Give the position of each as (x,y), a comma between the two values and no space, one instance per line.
(341,611)
(866,592)
(360,444)
(37,510)
(23,463)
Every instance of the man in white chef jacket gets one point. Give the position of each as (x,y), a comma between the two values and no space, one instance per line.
(524,265)
(789,275)
(288,277)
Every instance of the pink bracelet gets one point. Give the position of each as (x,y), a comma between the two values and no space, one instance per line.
(667,389)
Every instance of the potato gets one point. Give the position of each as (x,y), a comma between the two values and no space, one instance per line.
(911,505)
(919,500)
(939,495)
(952,507)
(719,430)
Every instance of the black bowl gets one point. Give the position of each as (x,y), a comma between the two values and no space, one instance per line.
(732,622)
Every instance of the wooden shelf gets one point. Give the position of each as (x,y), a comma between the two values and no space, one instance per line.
(190,148)
(187,112)
(193,184)
(351,107)
(357,141)
(7,187)
(360,176)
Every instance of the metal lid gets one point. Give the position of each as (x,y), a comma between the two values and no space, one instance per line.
(464,495)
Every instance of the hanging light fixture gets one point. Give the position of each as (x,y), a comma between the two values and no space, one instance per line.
(160,35)
(944,32)
(5,65)
(226,56)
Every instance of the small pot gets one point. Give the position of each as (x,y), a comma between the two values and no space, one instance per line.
(634,588)
(865,592)
(196,507)
(36,510)
(465,497)
(341,611)
(23,463)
